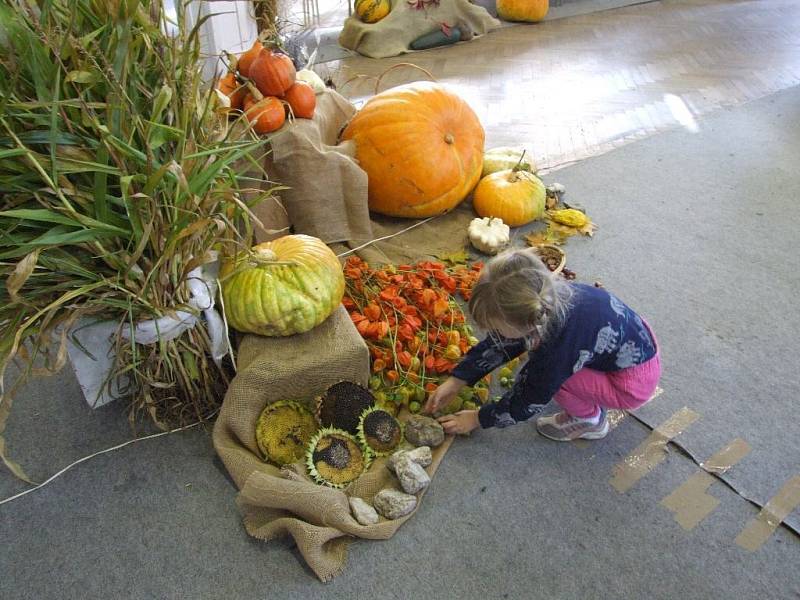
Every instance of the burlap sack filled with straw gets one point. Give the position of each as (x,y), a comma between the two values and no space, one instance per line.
(278,502)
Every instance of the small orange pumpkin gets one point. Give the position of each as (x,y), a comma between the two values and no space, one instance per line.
(266,115)
(273,73)
(246,59)
(515,196)
(421,146)
(522,10)
(235,92)
(301,99)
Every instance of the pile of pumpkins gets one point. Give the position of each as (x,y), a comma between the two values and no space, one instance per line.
(264,84)
(422,147)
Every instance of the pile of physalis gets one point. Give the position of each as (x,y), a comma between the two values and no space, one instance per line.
(415,329)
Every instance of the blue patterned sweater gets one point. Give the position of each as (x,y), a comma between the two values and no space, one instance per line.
(600,332)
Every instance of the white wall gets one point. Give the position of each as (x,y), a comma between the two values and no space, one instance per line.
(232,28)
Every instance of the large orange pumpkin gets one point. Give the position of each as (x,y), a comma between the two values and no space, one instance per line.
(422,148)
(522,10)
(273,73)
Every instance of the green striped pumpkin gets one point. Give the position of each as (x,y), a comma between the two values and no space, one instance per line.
(372,11)
(286,286)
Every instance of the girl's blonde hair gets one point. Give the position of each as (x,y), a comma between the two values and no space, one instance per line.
(516,289)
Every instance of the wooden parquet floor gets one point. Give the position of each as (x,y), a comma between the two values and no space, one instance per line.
(580,86)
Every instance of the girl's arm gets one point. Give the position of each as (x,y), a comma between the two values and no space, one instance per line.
(494,350)
(513,407)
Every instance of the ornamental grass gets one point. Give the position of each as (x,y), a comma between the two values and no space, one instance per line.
(117,178)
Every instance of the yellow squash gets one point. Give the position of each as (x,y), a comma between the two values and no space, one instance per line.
(372,11)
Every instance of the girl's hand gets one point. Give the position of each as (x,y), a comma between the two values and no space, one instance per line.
(444,394)
(462,422)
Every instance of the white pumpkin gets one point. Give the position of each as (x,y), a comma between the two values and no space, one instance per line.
(489,234)
(500,159)
(311,78)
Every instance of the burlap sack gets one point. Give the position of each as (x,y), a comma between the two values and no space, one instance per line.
(325,189)
(393,34)
(277,502)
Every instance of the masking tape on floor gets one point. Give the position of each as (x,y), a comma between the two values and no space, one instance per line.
(774,512)
(652,451)
(690,502)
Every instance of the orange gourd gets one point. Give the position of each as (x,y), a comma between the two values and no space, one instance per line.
(273,73)
(266,115)
(515,196)
(422,149)
(246,59)
(302,100)
(522,10)
(235,92)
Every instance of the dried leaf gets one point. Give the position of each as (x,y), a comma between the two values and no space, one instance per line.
(13,466)
(588,229)
(460,257)
(20,274)
(545,236)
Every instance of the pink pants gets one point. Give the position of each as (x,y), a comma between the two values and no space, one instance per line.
(583,394)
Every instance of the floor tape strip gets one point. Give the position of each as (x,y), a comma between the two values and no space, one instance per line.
(652,451)
(774,512)
(690,502)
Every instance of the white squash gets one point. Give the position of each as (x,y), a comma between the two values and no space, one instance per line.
(489,234)
(311,78)
(500,159)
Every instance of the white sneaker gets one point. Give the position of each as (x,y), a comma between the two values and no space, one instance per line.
(562,427)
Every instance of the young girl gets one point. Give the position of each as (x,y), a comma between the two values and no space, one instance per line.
(587,350)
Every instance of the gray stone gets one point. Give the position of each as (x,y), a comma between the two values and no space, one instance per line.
(363,512)
(394,504)
(413,477)
(424,431)
(422,456)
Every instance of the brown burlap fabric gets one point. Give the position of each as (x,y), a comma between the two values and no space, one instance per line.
(393,34)
(277,502)
(326,191)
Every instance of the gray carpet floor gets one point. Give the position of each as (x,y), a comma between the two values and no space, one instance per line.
(697,232)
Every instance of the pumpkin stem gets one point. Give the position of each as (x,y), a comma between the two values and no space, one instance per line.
(517,167)
(257,96)
(267,256)
(449,139)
